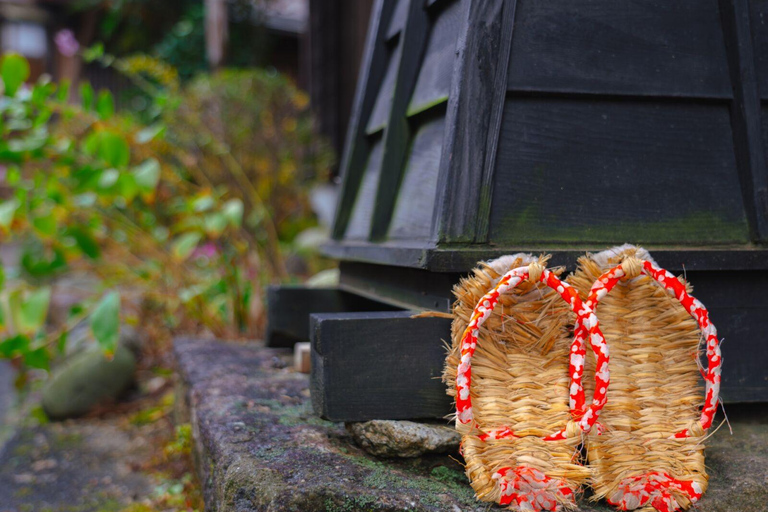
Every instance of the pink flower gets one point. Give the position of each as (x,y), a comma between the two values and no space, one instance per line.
(207,250)
(66,43)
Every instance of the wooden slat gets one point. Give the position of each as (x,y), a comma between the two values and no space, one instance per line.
(759,26)
(357,146)
(359,226)
(399,17)
(412,216)
(570,171)
(620,47)
(434,80)
(289,307)
(406,288)
(369,366)
(746,116)
(387,365)
(477,92)
(462,258)
(380,113)
(397,134)
(738,306)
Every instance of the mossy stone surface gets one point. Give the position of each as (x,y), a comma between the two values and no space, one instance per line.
(259,447)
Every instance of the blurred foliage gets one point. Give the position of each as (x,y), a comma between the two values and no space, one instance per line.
(187,212)
(174,30)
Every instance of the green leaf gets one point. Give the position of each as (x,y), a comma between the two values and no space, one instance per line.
(61,343)
(13,175)
(2,276)
(203,203)
(38,358)
(41,262)
(149,133)
(14,70)
(45,224)
(29,312)
(147,174)
(126,188)
(94,52)
(214,223)
(114,149)
(105,322)
(86,242)
(14,345)
(185,244)
(86,95)
(233,211)
(108,178)
(62,94)
(7,210)
(105,104)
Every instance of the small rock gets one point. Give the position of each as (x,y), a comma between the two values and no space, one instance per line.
(388,438)
(43,465)
(87,379)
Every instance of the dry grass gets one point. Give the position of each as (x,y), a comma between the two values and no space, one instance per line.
(655,389)
(519,380)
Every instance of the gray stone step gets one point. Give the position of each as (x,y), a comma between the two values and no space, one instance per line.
(259,447)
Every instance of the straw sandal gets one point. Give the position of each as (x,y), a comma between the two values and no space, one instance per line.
(509,372)
(652,454)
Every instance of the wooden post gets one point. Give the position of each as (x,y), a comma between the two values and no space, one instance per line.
(216,34)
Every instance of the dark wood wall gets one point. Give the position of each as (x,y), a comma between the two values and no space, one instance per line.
(486,126)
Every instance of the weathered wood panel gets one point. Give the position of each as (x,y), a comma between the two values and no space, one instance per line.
(369,366)
(406,288)
(621,47)
(399,17)
(383,105)
(397,135)
(434,81)
(473,115)
(359,227)
(412,217)
(357,145)
(387,365)
(745,116)
(758,10)
(571,171)
(738,306)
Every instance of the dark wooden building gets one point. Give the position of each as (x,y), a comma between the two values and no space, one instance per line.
(489,127)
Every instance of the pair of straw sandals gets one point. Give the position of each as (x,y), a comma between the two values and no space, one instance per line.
(517,369)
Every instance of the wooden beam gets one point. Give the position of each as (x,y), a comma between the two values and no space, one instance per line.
(216,32)
(369,366)
(289,307)
(474,112)
(745,115)
(397,134)
(357,147)
(457,258)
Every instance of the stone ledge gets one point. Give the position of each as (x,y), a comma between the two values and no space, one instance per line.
(260,448)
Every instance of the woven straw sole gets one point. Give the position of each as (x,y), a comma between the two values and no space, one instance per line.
(655,392)
(519,380)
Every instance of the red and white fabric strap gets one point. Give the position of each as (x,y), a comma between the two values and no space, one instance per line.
(587,325)
(695,308)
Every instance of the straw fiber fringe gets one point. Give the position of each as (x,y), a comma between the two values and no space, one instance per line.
(520,379)
(655,389)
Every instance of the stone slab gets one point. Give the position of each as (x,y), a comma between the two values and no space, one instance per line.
(83,466)
(259,447)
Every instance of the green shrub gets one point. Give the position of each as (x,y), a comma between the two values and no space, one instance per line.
(187,215)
